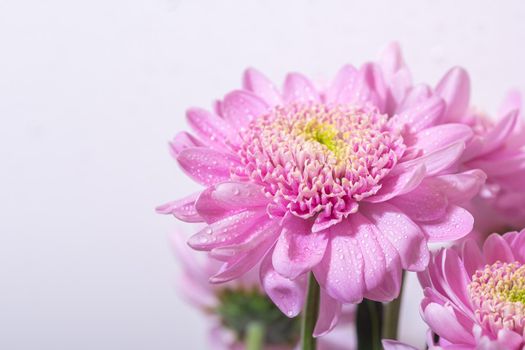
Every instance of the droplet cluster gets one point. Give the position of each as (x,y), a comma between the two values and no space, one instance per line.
(497,293)
(317,159)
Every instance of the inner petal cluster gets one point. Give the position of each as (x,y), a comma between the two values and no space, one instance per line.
(319,160)
(498,296)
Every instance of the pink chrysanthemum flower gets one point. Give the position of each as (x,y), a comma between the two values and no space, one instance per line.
(233,306)
(475,299)
(349,182)
(497,148)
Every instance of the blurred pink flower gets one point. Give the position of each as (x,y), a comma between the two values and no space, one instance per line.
(475,299)
(497,148)
(349,182)
(227,327)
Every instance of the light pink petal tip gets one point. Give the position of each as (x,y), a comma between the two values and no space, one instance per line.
(254,81)
(298,89)
(454,88)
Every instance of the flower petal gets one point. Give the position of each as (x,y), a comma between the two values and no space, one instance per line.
(208,126)
(456,224)
(442,321)
(454,88)
(207,166)
(223,199)
(298,249)
(329,310)
(496,248)
(396,185)
(341,90)
(239,264)
(404,235)
(436,161)
(298,89)
(472,258)
(182,141)
(254,81)
(240,107)
(420,115)
(288,295)
(425,203)
(389,344)
(183,209)
(459,187)
(341,270)
(441,136)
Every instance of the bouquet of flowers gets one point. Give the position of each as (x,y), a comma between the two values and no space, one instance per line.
(316,199)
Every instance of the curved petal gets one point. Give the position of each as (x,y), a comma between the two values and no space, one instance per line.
(496,248)
(420,115)
(441,136)
(425,203)
(183,209)
(288,295)
(239,264)
(329,310)
(182,141)
(454,88)
(389,344)
(459,187)
(341,89)
(404,235)
(341,270)
(511,102)
(208,126)
(456,224)
(207,166)
(298,249)
(298,89)
(399,184)
(443,322)
(223,199)
(254,81)
(472,258)
(435,162)
(240,107)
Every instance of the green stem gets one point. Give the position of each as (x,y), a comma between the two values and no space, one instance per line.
(374,323)
(254,336)
(391,315)
(310,312)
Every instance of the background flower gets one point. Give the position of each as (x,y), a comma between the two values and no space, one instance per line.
(474,299)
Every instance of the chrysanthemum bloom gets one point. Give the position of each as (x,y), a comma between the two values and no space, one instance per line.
(475,299)
(497,148)
(233,306)
(349,182)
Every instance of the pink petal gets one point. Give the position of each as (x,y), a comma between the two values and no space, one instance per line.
(472,258)
(425,203)
(456,224)
(496,248)
(288,295)
(341,90)
(399,184)
(183,209)
(241,263)
(298,89)
(518,245)
(459,187)
(511,102)
(420,115)
(417,94)
(329,310)
(241,107)
(438,137)
(298,249)
(235,228)
(454,88)
(404,235)
(341,270)
(209,127)
(207,166)
(221,200)
(391,59)
(442,321)
(437,161)
(254,81)
(456,278)
(262,230)
(182,141)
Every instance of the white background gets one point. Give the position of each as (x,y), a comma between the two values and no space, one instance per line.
(90,93)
